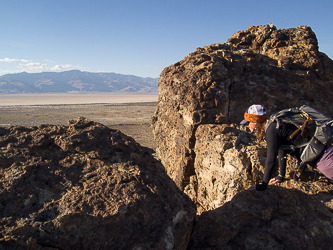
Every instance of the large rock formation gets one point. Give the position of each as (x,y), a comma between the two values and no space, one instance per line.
(228,160)
(85,186)
(214,85)
(274,219)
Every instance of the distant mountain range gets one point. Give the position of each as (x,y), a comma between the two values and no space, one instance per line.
(75,81)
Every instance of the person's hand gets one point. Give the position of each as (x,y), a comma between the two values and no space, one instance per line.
(252,187)
(277,179)
(274,181)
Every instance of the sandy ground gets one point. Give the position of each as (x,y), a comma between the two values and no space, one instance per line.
(74,98)
(130,114)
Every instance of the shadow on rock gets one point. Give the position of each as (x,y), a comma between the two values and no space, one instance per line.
(277,218)
(85,186)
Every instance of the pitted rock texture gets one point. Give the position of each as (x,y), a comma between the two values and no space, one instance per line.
(277,218)
(228,160)
(85,186)
(216,84)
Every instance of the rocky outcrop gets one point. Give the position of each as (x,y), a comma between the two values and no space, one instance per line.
(278,218)
(214,85)
(228,160)
(85,186)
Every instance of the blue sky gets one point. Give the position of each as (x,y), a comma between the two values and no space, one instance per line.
(138,37)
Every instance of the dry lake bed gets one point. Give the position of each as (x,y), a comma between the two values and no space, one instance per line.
(130,114)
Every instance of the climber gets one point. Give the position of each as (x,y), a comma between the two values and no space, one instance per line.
(278,138)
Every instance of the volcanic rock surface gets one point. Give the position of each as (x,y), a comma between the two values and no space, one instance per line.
(85,186)
(229,160)
(278,218)
(202,96)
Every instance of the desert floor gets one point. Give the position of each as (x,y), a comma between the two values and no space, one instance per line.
(130,114)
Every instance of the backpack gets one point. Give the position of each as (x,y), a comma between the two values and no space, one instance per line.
(309,123)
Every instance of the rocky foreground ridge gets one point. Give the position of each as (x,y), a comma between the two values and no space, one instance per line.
(86,186)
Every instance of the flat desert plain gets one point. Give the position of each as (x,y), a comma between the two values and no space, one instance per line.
(130,114)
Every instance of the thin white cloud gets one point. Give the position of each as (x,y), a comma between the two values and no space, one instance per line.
(48,60)
(44,67)
(61,67)
(24,60)
(6,59)
(32,67)
(32,64)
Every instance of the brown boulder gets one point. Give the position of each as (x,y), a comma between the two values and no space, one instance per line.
(274,219)
(85,186)
(228,160)
(215,84)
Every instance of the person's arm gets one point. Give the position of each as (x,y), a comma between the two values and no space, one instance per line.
(272,152)
(282,163)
